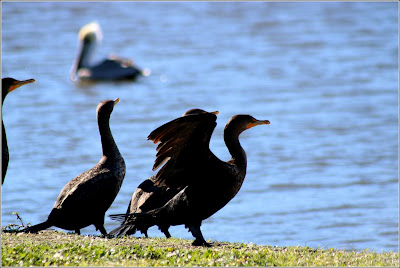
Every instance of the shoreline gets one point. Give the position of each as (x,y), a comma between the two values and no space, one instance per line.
(56,248)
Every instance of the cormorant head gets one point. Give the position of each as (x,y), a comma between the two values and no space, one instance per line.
(239,123)
(105,108)
(9,84)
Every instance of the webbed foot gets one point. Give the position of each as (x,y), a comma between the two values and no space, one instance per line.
(203,243)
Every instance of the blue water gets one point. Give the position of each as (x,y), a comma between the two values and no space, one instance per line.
(323,174)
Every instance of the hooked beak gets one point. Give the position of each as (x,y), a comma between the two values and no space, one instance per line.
(18,84)
(261,122)
(257,123)
(116,101)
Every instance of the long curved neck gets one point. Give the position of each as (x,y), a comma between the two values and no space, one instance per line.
(85,54)
(3,138)
(4,151)
(3,130)
(110,149)
(4,93)
(239,157)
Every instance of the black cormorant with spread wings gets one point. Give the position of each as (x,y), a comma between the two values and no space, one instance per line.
(200,183)
(149,196)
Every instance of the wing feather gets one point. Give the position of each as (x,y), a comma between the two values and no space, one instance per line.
(183,144)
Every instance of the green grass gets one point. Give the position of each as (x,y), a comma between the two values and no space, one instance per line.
(54,248)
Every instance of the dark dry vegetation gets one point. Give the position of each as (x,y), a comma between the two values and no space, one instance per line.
(54,248)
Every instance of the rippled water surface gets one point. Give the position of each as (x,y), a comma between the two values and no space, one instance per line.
(324,173)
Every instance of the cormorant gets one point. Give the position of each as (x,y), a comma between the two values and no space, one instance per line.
(149,196)
(205,183)
(7,85)
(85,199)
(112,68)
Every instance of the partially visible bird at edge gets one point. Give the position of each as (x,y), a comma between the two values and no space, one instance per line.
(193,183)
(7,85)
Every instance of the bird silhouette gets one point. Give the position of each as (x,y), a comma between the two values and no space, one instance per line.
(203,183)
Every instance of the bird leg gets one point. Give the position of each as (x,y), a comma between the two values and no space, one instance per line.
(164,229)
(167,234)
(196,232)
(144,231)
(78,231)
(101,228)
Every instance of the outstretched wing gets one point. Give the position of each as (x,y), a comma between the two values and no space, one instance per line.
(183,146)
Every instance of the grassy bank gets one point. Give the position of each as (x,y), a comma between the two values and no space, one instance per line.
(52,248)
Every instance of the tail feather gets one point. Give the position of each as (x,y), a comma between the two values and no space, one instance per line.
(118,217)
(38,227)
(122,230)
(131,223)
(142,220)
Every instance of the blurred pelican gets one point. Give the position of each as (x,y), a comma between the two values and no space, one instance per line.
(112,68)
